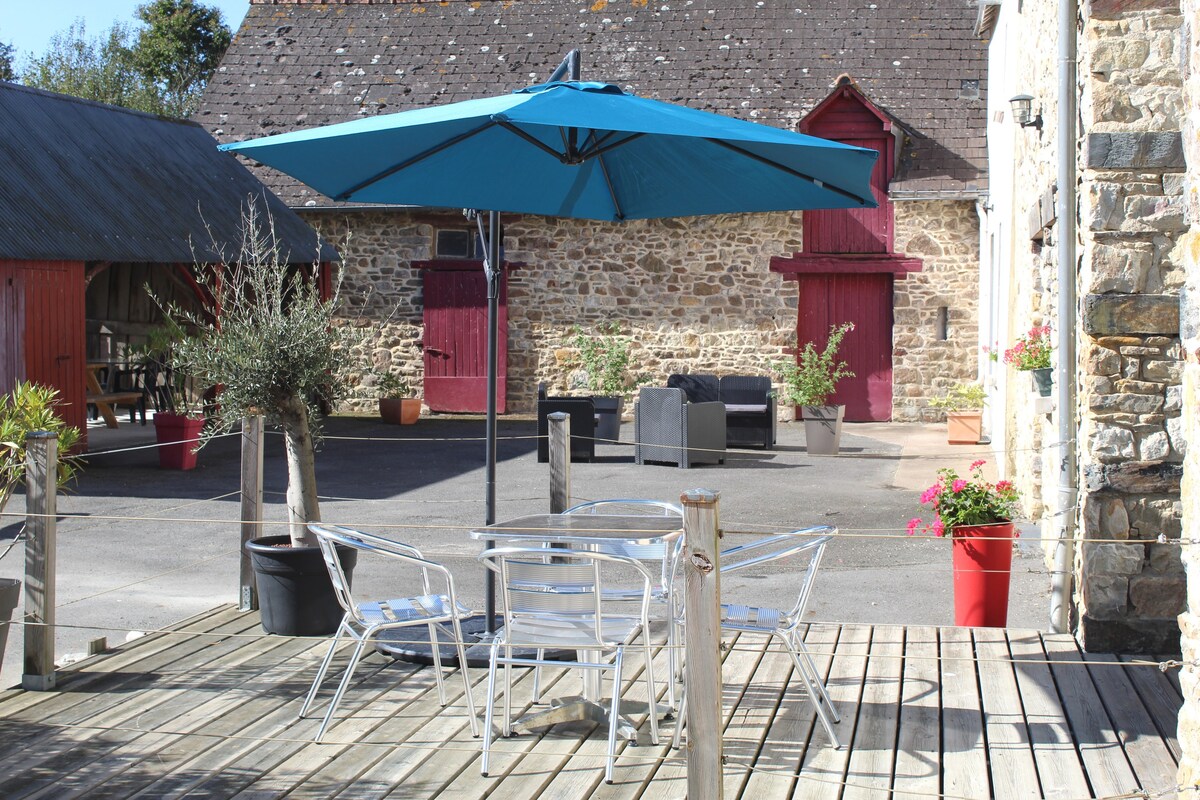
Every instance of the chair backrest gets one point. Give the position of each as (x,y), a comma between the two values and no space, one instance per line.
(745,390)
(330,537)
(806,543)
(660,551)
(568,587)
(698,388)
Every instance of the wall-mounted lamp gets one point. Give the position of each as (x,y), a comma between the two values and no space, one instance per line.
(1022,108)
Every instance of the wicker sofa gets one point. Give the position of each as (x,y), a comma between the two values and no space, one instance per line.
(750,415)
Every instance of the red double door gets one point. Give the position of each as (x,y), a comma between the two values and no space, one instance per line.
(455,344)
(828,299)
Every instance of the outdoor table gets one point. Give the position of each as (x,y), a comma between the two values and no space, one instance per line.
(583,531)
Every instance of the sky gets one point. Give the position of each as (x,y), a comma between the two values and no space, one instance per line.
(28,25)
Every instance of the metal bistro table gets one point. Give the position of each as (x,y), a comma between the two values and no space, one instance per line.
(585,531)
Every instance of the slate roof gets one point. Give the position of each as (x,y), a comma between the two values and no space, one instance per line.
(84,181)
(298,65)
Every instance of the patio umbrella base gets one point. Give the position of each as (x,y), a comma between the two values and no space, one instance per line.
(412,646)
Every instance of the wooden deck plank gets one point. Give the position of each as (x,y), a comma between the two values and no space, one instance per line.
(764,684)
(824,768)
(796,727)
(873,751)
(1147,751)
(1161,700)
(1060,770)
(1104,759)
(964,760)
(918,769)
(1010,755)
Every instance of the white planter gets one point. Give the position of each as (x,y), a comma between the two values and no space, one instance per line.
(823,429)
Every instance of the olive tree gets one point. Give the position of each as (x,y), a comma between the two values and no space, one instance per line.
(272,347)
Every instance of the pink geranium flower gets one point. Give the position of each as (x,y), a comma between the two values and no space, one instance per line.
(966,501)
(958,485)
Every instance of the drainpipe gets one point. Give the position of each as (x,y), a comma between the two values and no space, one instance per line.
(1064,382)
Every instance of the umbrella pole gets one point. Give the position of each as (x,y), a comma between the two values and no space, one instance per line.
(491,269)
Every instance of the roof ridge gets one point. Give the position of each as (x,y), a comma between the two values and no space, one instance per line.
(70,98)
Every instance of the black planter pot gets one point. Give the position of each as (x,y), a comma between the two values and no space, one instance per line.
(608,416)
(295,595)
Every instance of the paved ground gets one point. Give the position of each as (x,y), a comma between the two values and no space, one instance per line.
(153,547)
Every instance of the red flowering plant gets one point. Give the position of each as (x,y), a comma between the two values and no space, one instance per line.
(1032,351)
(958,501)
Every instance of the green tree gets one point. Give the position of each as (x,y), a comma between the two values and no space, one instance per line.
(6,62)
(178,50)
(99,69)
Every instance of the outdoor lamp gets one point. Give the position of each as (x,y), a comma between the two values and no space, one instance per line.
(1022,107)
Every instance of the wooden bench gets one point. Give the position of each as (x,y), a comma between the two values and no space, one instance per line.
(106,400)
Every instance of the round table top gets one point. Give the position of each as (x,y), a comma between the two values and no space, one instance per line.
(584,528)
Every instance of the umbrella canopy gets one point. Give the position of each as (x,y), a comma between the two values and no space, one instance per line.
(571,149)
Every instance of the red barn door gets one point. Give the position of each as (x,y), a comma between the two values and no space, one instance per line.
(866,300)
(455,319)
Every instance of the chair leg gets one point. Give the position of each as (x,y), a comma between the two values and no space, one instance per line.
(490,708)
(462,668)
(680,717)
(814,695)
(614,715)
(651,688)
(507,691)
(815,676)
(436,649)
(537,677)
(321,670)
(355,655)
(672,668)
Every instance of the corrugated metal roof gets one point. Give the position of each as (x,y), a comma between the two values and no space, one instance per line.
(84,181)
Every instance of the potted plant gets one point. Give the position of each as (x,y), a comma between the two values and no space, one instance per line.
(1031,354)
(978,516)
(963,405)
(396,403)
(273,348)
(28,408)
(809,382)
(604,358)
(178,419)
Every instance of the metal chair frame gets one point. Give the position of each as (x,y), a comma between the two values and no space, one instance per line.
(559,603)
(783,626)
(364,621)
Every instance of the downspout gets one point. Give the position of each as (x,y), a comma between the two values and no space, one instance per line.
(1064,379)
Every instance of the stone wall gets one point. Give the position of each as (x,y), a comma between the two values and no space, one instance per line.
(1189,623)
(945,236)
(1131,445)
(693,294)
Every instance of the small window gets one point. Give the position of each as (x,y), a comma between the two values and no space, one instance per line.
(455,244)
(943,323)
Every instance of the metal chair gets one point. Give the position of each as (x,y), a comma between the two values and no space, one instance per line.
(663,553)
(559,604)
(363,621)
(782,626)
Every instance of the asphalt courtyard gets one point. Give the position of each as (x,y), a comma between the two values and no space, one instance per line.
(141,548)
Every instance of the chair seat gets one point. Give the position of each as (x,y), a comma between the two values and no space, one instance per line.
(618,595)
(566,633)
(410,609)
(752,618)
(745,408)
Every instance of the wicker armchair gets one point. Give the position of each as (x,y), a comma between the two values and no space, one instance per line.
(669,429)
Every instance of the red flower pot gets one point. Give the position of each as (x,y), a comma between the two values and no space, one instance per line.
(178,436)
(982,562)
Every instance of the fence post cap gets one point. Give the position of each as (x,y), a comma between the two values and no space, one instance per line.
(701,497)
(41,435)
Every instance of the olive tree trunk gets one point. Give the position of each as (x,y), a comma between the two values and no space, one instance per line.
(302,474)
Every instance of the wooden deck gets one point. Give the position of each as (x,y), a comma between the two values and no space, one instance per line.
(925,711)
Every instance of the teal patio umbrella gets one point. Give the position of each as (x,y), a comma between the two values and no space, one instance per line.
(567,149)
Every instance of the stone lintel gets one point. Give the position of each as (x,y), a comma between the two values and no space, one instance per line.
(1115,314)
(1135,150)
(1129,636)
(1133,477)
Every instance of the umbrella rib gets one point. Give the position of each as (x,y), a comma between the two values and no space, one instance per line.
(392,170)
(612,193)
(788,170)
(533,140)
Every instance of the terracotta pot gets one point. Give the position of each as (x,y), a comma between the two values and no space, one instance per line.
(982,564)
(178,437)
(823,429)
(399,410)
(964,427)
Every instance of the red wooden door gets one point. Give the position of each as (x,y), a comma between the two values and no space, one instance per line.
(456,341)
(855,230)
(866,300)
(12,327)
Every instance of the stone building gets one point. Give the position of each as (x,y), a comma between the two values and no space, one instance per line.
(1125,451)
(723,294)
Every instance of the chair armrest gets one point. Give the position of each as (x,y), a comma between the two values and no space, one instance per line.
(823,534)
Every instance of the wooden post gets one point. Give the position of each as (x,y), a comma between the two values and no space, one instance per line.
(560,461)
(41,508)
(702,607)
(252,505)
